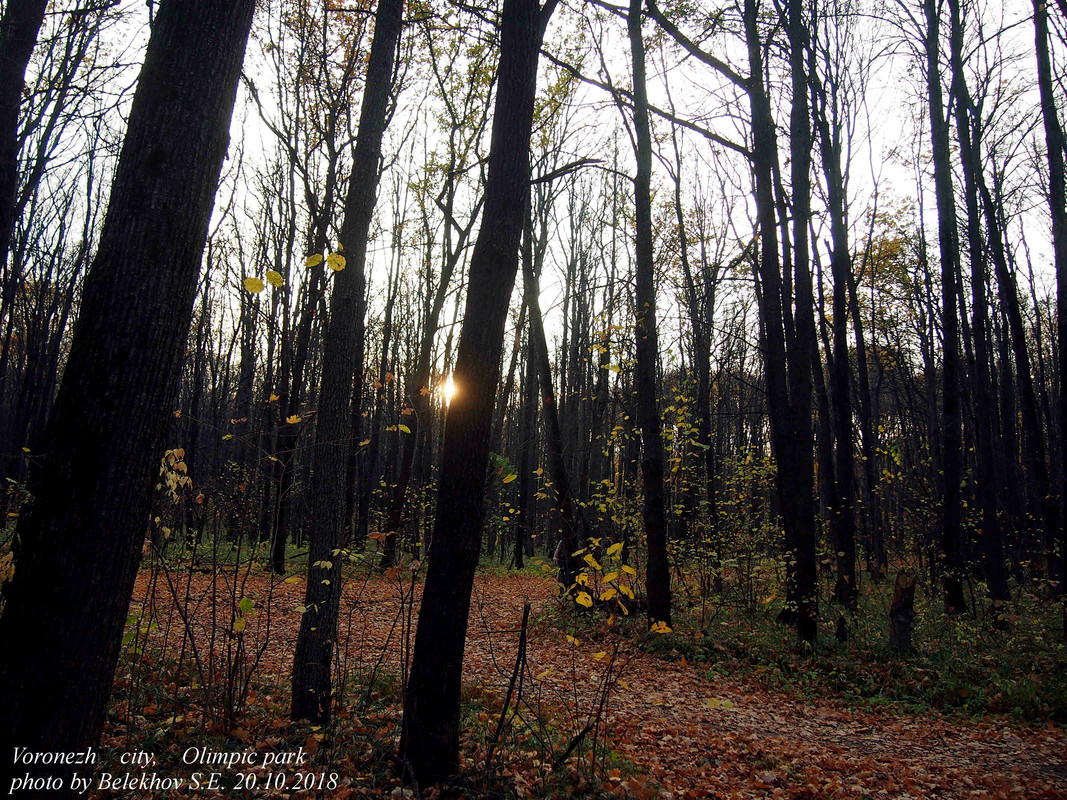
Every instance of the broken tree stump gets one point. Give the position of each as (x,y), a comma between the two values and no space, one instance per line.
(902,613)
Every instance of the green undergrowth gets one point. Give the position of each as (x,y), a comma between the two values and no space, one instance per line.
(959,664)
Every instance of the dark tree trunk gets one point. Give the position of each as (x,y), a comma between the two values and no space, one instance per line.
(794,457)
(342,366)
(19,28)
(952,416)
(796,454)
(658,579)
(985,407)
(429,743)
(902,614)
(573,529)
(1054,147)
(80,544)
(846,590)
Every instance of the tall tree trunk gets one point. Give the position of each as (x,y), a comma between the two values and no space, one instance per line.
(1054,146)
(573,530)
(846,590)
(80,544)
(19,29)
(798,457)
(988,444)
(658,578)
(952,416)
(429,743)
(771,299)
(342,366)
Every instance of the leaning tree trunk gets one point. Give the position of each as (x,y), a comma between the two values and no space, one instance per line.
(80,544)
(342,361)
(429,743)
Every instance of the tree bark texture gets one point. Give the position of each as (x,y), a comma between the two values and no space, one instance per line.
(795,452)
(80,544)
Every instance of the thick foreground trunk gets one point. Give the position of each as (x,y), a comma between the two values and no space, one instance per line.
(80,544)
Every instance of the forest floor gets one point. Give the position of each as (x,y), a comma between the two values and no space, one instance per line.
(655,725)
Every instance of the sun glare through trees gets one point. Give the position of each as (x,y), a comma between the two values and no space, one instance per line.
(533,399)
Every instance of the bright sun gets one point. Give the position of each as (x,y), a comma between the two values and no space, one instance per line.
(448,390)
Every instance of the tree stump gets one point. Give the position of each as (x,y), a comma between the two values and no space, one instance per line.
(902,613)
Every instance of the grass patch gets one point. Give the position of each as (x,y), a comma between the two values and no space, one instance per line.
(960,664)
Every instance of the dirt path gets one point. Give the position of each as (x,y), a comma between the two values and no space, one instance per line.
(702,738)
(685,735)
